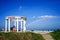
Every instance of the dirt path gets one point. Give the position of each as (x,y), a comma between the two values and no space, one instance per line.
(46,35)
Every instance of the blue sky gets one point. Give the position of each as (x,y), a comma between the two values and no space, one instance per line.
(41,14)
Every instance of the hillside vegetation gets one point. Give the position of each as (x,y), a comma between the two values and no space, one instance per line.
(56,34)
(20,36)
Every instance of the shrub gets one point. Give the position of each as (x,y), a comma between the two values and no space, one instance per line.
(20,36)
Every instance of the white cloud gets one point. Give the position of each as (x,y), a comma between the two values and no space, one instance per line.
(33,16)
(20,8)
(47,16)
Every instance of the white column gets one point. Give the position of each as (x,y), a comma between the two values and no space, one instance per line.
(21,25)
(8,25)
(17,24)
(24,26)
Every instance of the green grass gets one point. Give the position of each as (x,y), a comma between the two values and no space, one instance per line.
(20,36)
(56,34)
